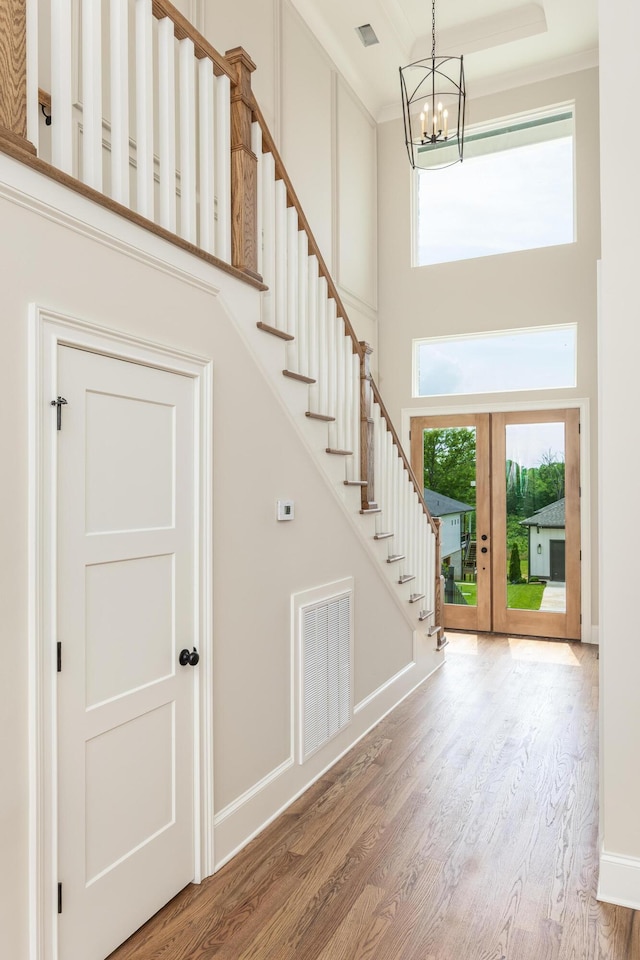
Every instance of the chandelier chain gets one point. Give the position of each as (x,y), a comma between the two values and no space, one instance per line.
(433,29)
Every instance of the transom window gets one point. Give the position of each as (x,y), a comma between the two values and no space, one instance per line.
(536,358)
(513,191)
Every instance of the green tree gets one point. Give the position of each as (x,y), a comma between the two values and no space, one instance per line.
(450,462)
(515,573)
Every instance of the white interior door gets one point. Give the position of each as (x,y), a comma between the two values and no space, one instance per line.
(126,602)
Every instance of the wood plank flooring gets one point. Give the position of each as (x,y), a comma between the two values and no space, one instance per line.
(464,827)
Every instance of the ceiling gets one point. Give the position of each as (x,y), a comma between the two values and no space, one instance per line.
(505,43)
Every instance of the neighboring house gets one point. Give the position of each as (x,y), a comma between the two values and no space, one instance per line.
(453,536)
(546,541)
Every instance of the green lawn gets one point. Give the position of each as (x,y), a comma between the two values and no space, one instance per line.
(520,596)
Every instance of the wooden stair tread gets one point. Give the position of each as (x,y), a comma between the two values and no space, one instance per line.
(298,376)
(407,577)
(442,643)
(355,483)
(433,630)
(319,416)
(382,536)
(415,597)
(425,614)
(339,453)
(395,557)
(275,332)
(371,510)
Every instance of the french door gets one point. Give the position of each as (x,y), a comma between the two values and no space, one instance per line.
(507,491)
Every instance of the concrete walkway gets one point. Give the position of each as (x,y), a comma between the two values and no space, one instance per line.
(554,597)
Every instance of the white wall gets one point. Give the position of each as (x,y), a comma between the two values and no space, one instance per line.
(68,263)
(524,289)
(325,135)
(619,456)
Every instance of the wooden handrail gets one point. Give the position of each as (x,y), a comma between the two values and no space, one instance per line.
(269,146)
(403,456)
(184,29)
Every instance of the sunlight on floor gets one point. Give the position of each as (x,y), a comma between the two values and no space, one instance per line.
(543,651)
(521,648)
(463,643)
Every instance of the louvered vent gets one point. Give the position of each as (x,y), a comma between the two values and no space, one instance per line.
(326,671)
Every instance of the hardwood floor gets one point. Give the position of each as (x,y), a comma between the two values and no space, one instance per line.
(464,827)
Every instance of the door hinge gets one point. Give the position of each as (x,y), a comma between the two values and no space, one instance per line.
(579,491)
(59,657)
(581,555)
(59,898)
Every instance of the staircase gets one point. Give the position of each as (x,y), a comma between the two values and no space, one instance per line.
(217,186)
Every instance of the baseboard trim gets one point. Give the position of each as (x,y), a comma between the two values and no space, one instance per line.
(385,686)
(619,880)
(252,792)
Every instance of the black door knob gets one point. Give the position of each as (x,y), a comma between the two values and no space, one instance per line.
(189,658)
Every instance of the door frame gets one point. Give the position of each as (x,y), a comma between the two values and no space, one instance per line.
(49,330)
(589,631)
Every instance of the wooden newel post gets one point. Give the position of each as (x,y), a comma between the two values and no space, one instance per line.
(439,587)
(13,75)
(244,167)
(367,439)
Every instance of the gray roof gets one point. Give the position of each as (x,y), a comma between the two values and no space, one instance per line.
(441,506)
(550,516)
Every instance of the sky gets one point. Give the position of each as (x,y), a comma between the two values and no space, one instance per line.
(501,361)
(515,199)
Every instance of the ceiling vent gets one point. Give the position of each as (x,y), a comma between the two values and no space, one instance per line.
(367,34)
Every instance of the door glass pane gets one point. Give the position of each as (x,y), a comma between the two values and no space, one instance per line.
(535,469)
(450,494)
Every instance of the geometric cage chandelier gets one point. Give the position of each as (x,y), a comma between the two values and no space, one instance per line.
(433,107)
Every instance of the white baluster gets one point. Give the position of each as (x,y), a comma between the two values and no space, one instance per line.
(281,255)
(119,55)
(206,138)
(312,323)
(391,497)
(61,90)
(332,371)
(256,146)
(167,123)
(269,238)
(187,140)
(144,108)
(92,93)
(223,168)
(323,347)
(348,394)
(340,392)
(355,362)
(303,332)
(292,288)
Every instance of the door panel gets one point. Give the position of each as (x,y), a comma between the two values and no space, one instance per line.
(526,470)
(437,445)
(533,441)
(126,601)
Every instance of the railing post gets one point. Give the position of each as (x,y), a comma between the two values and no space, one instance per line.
(367,437)
(13,75)
(244,167)
(439,587)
